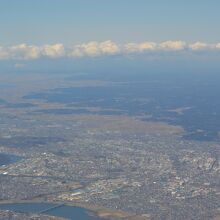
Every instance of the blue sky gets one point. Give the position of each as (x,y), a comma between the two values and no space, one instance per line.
(143,29)
(77,21)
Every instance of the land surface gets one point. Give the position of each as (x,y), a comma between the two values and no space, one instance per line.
(109,147)
(9,215)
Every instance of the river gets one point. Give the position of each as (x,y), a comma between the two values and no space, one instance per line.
(65,211)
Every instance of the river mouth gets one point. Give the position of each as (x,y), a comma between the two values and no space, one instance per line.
(51,209)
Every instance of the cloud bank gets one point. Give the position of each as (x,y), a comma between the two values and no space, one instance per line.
(105,48)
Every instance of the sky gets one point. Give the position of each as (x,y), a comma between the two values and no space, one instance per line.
(31,29)
(77,21)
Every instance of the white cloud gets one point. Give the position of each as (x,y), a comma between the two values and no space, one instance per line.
(217,46)
(28,52)
(141,47)
(172,45)
(95,48)
(24,51)
(53,51)
(4,53)
(19,65)
(152,46)
(109,47)
(199,46)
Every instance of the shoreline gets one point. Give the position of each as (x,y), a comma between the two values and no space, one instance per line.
(99,211)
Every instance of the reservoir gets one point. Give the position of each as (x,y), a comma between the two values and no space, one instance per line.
(59,210)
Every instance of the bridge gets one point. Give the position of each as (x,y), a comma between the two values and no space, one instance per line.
(51,208)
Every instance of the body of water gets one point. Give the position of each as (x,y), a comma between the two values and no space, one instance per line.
(6,159)
(51,209)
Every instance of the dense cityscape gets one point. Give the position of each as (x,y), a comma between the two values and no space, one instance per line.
(143,169)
